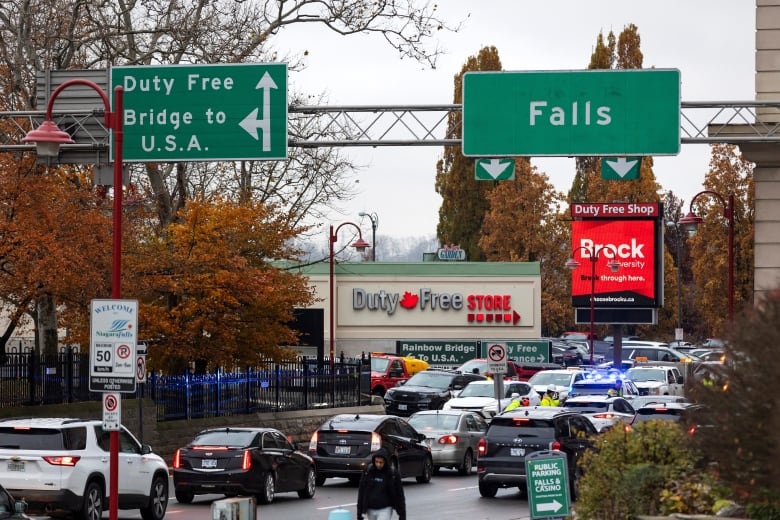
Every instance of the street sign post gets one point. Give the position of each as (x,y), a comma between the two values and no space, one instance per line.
(112,352)
(203,112)
(496,358)
(548,484)
(571,113)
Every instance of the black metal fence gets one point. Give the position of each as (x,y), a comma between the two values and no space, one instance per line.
(33,379)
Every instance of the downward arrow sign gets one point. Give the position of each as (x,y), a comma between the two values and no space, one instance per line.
(549,506)
(622,166)
(250,123)
(495,167)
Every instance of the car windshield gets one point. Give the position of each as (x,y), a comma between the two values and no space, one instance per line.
(379,364)
(423,422)
(477,391)
(550,378)
(431,379)
(469,366)
(224,438)
(588,406)
(644,374)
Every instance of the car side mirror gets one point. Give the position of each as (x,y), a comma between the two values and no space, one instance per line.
(680,380)
(145,449)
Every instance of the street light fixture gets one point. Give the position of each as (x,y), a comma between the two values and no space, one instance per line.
(48,138)
(593,255)
(691,221)
(360,245)
(374,224)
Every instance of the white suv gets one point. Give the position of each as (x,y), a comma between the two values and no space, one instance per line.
(62,465)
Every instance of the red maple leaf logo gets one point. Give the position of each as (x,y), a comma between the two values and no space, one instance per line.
(409,301)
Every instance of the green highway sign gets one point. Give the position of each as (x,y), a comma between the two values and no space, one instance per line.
(494,169)
(203,112)
(620,168)
(548,484)
(571,113)
(438,353)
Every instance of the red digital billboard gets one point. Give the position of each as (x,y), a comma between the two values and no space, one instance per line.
(632,243)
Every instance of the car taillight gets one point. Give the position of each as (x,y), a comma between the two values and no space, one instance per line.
(481,447)
(448,439)
(313,442)
(603,415)
(555,446)
(376,441)
(63,460)
(692,429)
(246,462)
(177,459)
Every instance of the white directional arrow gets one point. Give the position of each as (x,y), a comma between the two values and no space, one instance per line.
(553,506)
(495,167)
(622,165)
(250,123)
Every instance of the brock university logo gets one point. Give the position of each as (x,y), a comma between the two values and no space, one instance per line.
(480,308)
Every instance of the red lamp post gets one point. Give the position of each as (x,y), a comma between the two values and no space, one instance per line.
(691,221)
(47,139)
(593,255)
(360,245)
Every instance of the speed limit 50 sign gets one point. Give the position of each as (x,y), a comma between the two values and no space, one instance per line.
(112,352)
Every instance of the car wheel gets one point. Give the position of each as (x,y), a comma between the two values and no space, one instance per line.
(92,505)
(311,484)
(184,497)
(468,463)
(158,500)
(266,495)
(487,490)
(319,480)
(427,471)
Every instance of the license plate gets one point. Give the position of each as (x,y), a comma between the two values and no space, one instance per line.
(517,452)
(208,463)
(343,450)
(402,407)
(15,466)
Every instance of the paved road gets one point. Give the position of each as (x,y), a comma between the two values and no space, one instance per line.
(447,497)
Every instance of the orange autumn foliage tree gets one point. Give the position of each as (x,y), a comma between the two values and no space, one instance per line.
(208,292)
(55,241)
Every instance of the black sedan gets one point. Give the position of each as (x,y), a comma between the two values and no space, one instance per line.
(342,447)
(242,461)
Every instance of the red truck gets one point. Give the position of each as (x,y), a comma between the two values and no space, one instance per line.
(388,369)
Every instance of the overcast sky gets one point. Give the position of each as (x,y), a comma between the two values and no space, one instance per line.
(711,42)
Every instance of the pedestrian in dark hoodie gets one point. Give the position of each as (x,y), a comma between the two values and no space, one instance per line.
(380,490)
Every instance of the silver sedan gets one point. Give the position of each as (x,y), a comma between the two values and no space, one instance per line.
(453,436)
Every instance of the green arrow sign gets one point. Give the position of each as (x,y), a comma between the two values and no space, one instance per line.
(494,169)
(203,112)
(620,168)
(569,113)
(548,486)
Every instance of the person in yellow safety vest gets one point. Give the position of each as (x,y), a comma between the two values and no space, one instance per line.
(550,397)
(517,402)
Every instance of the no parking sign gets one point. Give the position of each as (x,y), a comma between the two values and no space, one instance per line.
(112,411)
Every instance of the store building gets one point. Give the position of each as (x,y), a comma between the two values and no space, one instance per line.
(378,304)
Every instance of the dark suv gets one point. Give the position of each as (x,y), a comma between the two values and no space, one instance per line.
(512,436)
(426,390)
(342,447)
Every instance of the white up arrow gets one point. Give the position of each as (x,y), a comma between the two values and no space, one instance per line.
(621,166)
(250,123)
(495,167)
